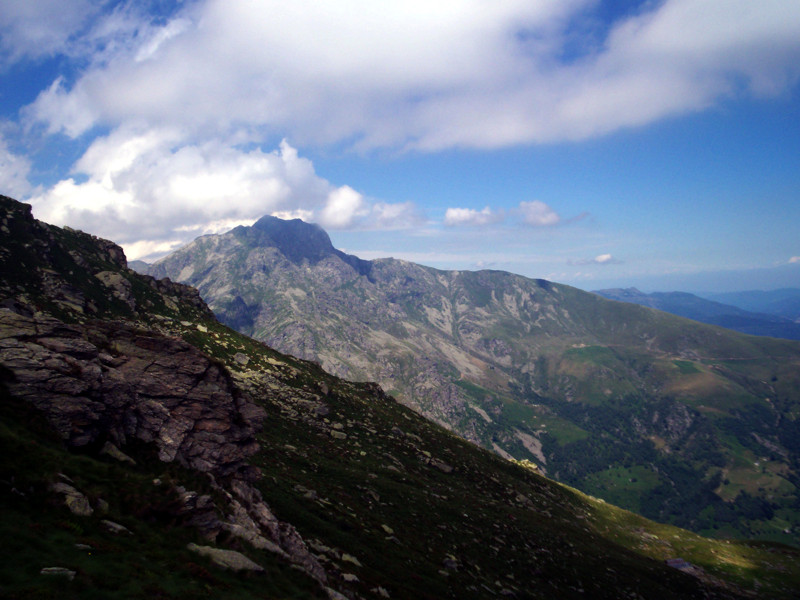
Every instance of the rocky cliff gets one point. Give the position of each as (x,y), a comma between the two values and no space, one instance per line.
(106,383)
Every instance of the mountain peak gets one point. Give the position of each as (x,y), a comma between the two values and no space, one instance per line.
(296,239)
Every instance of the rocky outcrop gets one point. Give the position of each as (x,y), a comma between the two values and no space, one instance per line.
(105,381)
(103,384)
(108,383)
(227,559)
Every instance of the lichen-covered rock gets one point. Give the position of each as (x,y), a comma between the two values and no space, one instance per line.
(120,287)
(77,502)
(227,559)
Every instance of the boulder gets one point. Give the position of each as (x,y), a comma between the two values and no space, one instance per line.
(77,503)
(227,559)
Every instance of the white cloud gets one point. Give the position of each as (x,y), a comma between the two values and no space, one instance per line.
(36,28)
(401,215)
(14,170)
(149,191)
(538,214)
(298,213)
(343,207)
(469,216)
(794,260)
(600,259)
(408,73)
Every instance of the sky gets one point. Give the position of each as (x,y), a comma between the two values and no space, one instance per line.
(619,143)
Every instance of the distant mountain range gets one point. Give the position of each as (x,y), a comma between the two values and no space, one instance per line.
(150,451)
(773,322)
(678,420)
(782,303)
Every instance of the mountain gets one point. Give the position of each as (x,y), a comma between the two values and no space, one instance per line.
(683,422)
(709,311)
(782,303)
(150,451)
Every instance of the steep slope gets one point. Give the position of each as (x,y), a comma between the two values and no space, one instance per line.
(683,422)
(708,311)
(146,446)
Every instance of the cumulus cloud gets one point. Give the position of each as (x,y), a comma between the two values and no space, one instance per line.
(600,259)
(538,214)
(14,170)
(343,207)
(469,216)
(410,73)
(151,192)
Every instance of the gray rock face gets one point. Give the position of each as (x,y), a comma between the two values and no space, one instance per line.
(111,382)
(103,383)
(227,559)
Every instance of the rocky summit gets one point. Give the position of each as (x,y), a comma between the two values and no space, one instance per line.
(683,422)
(150,451)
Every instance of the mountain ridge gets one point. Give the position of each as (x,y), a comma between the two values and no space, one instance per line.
(783,302)
(622,401)
(712,312)
(151,451)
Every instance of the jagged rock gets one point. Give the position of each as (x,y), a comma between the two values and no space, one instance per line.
(441,465)
(156,389)
(115,527)
(250,511)
(59,572)
(102,382)
(334,595)
(114,452)
(120,287)
(227,559)
(351,559)
(77,503)
(254,539)
(200,512)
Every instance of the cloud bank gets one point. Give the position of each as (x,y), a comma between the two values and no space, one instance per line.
(184,100)
(150,195)
(418,74)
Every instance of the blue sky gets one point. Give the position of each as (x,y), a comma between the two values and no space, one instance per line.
(653,144)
